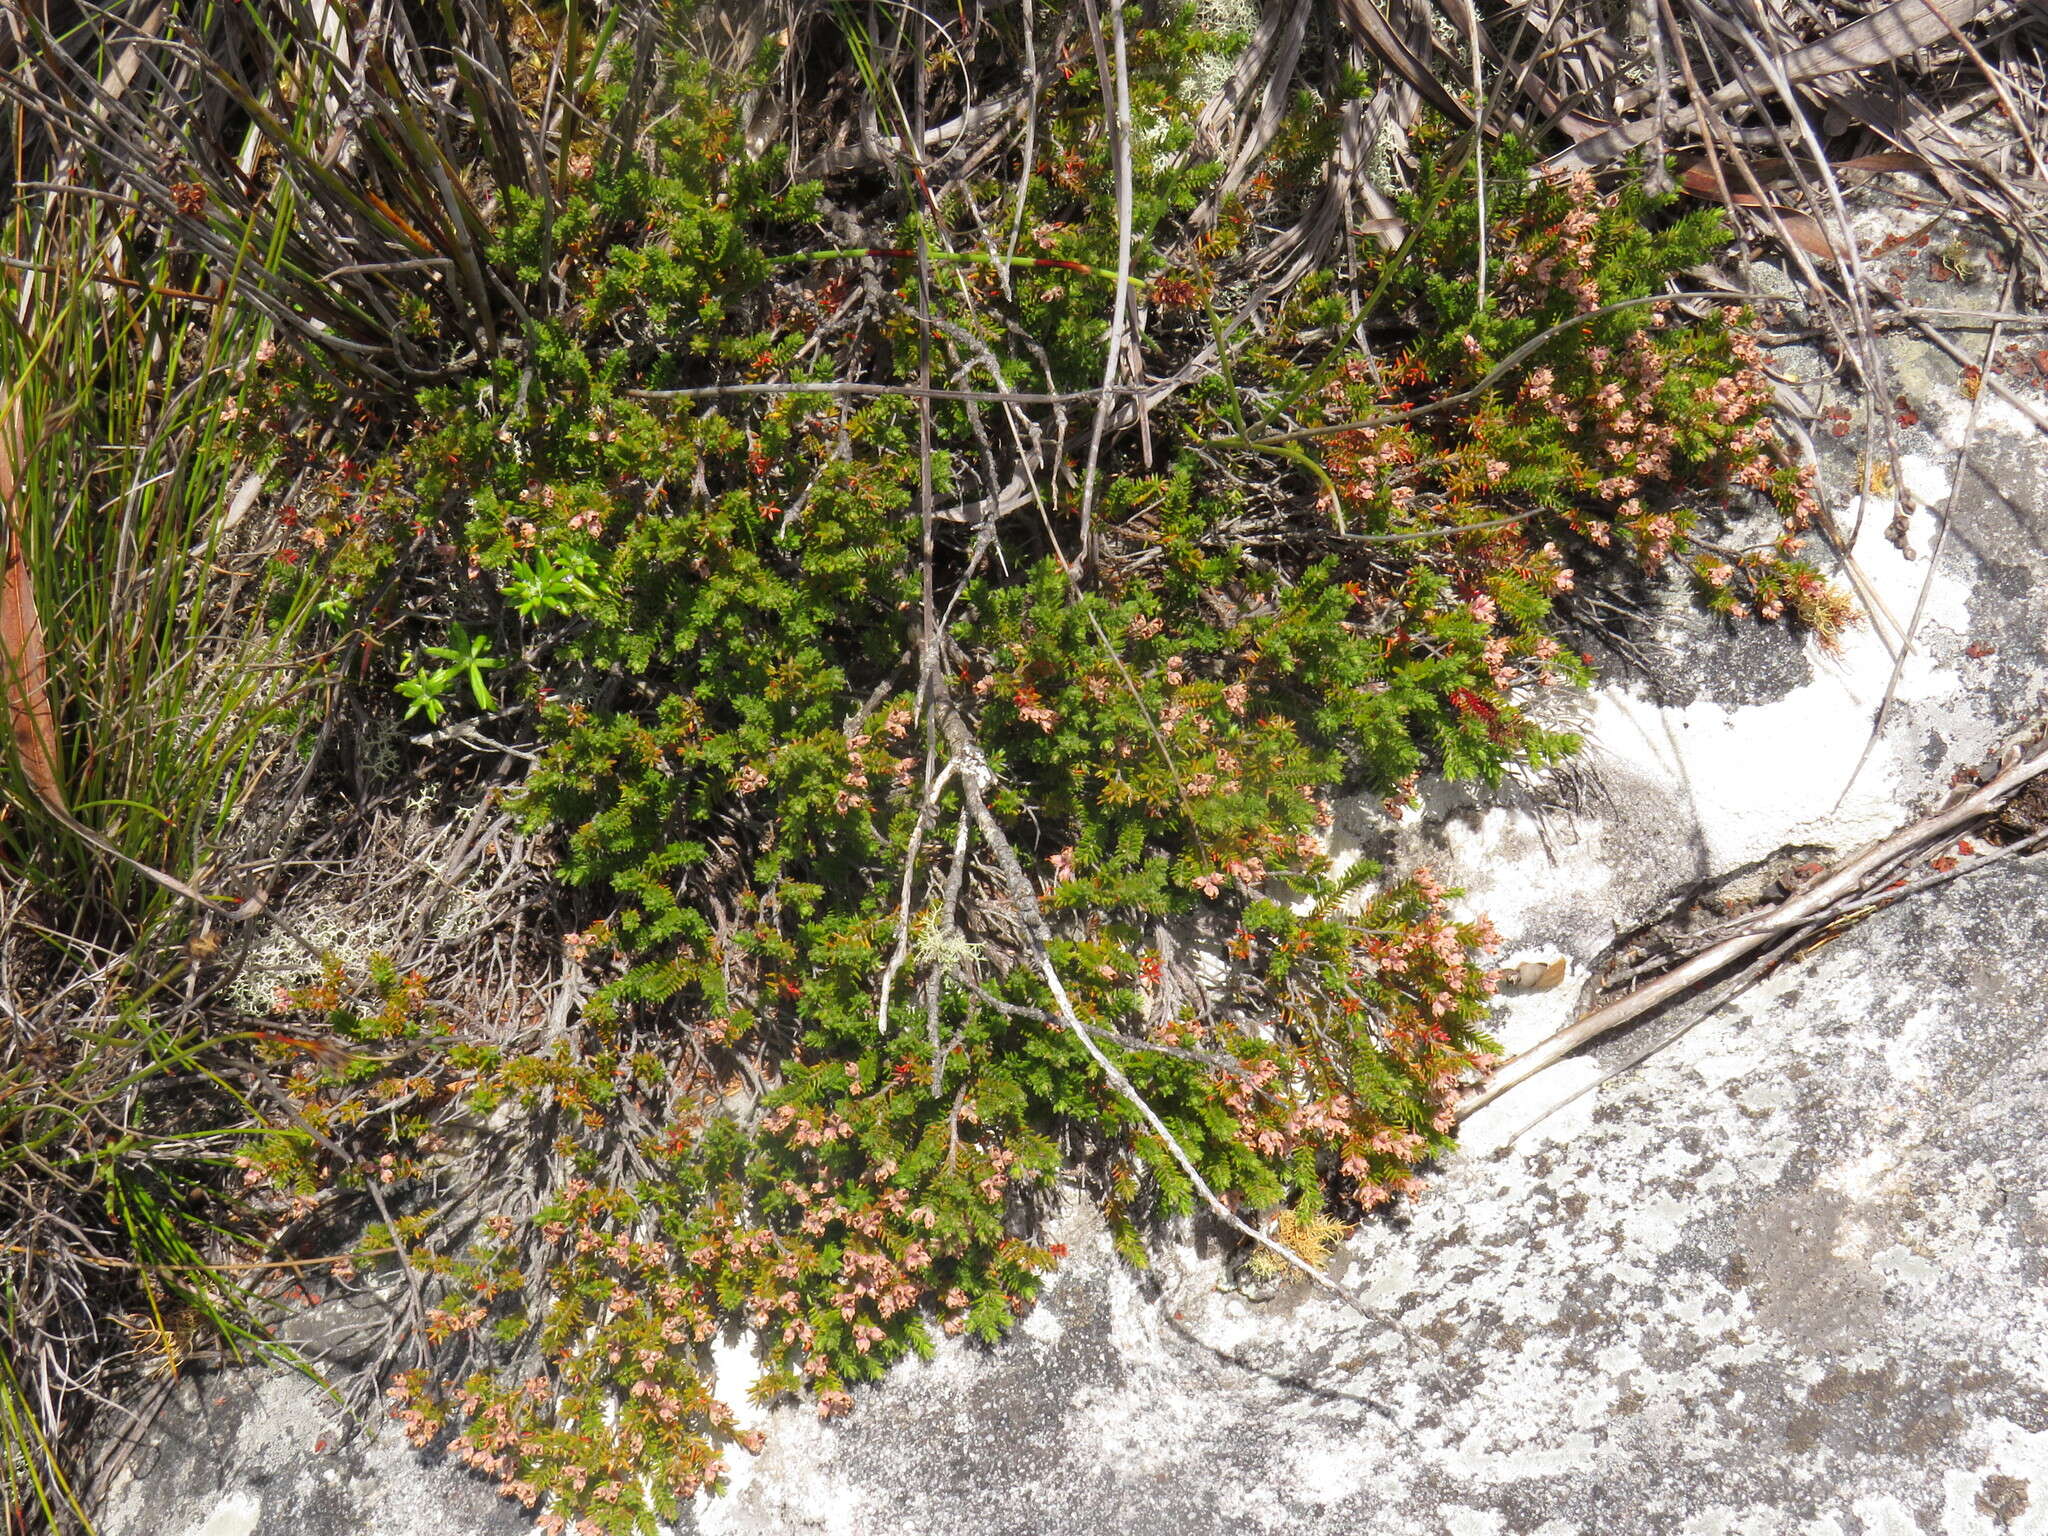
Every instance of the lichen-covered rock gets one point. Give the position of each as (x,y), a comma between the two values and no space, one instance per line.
(1785,1277)
(259,1453)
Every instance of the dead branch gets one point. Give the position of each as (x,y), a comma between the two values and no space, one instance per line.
(1853,884)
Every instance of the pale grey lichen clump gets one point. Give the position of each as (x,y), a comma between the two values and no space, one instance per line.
(1230,18)
(277,964)
(343,924)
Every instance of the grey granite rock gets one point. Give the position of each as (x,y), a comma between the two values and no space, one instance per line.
(255,1453)
(1785,1277)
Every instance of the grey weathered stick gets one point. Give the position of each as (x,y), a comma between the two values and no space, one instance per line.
(1116,103)
(1796,911)
(1885,35)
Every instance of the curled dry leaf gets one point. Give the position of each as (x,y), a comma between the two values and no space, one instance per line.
(1538,975)
(1802,229)
(24,664)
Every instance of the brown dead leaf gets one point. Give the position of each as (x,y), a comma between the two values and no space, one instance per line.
(1538,975)
(24,664)
(1802,229)
(1853,171)
(1860,168)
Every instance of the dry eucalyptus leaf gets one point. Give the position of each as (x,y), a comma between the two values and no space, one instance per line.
(1801,229)
(24,665)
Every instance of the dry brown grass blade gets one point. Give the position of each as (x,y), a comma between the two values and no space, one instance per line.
(1895,32)
(1371,25)
(23,659)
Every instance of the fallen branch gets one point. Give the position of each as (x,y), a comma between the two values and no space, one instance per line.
(1813,907)
(1882,37)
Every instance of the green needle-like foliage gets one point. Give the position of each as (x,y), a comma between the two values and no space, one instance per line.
(820,1002)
